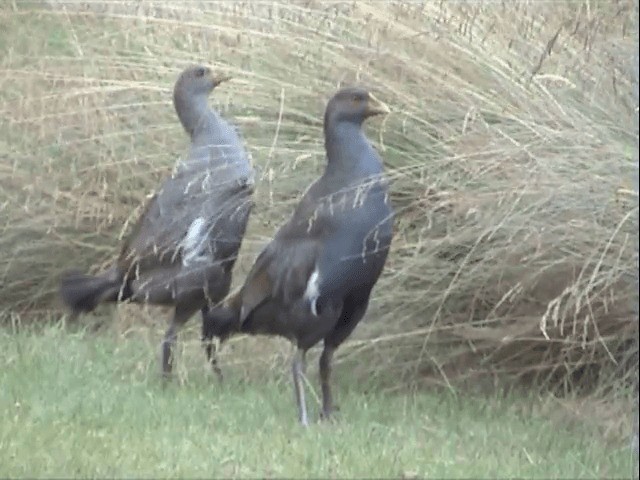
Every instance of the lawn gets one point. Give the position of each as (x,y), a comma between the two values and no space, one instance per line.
(92,405)
(501,262)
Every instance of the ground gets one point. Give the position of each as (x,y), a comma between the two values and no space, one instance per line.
(501,123)
(78,404)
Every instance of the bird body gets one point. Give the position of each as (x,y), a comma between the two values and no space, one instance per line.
(182,250)
(313,281)
(329,250)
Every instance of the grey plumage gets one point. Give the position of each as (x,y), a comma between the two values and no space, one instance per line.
(313,281)
(183,248)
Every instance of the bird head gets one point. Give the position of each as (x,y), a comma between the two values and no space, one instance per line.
(355,105)
(198,80)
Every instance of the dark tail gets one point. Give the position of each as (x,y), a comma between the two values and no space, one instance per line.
(82,293)
(221,322)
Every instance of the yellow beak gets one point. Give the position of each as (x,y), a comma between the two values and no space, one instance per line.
(218,79)
(376,107)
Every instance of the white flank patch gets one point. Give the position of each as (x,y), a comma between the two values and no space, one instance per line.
(192,242)
(312,292)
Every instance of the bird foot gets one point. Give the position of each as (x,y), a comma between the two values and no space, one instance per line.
(328,414)
(218,374)
(304,420)
(167,378)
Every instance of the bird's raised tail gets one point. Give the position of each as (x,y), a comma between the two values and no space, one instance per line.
(82,293)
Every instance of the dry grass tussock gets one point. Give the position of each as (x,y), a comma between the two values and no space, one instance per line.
(511,148)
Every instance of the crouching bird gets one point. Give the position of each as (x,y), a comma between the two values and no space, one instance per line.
(313,280)
(182,250)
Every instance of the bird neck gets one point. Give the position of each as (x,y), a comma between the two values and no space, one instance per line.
(349,151)
(194,113)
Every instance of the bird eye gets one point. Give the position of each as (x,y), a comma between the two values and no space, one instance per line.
(201,71)
(356,98)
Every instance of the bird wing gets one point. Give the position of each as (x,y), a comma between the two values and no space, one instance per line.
(281,271)
(180,220)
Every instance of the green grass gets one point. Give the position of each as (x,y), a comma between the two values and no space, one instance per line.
(80,405)
(90,131)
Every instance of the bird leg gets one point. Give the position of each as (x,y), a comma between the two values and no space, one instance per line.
(210,350)
(325,374)
(181,314)
(298,369)
(168,343)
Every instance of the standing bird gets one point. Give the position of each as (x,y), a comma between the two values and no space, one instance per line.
(183,248)
(313,280)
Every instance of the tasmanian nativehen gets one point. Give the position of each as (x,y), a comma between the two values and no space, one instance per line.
(313,280)
(183,248)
